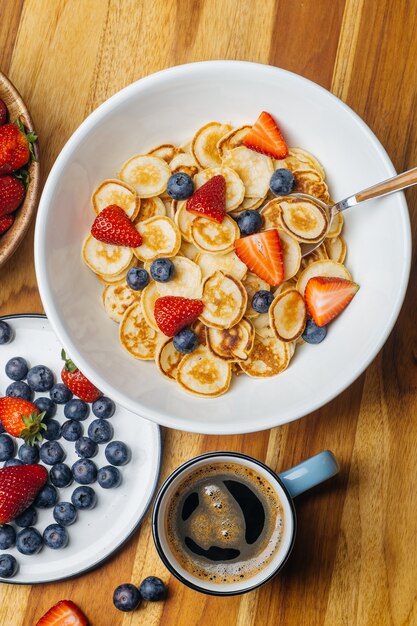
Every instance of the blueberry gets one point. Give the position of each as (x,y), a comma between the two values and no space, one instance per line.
(313,333)
(117,453)
(6,333)
(7,537)
(137,278)
(86,447)
(126,597)
(262,300)
(2,430)
(185,341)
(162,270)
(109,477)
(249,222)
(7,448)
(152,589)
(13,463)
(84,498)
(27,518)
(65,513)
(100,431)
(19,389)
(40,378)
(46,405)
(51,452)
(84,471)
(55,536)
(8,566)
(53,430)
(71,431)
(76,409)
(282,182)
(46,498)
(180,186)
(16,368)
(60,475)
(60,394)
(103,407)
(29,541)
(28,454)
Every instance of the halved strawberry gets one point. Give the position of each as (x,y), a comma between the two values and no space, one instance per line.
(262,253)
(113,226)
(210,199)
(266,137)
(63,613)
(172,313)
(327,297)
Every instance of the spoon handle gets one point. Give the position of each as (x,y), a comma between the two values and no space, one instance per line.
(406,179)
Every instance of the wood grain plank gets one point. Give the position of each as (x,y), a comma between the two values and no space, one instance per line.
(10,12)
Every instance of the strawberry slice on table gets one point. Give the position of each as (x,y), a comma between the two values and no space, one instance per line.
(12,192)
(326,298)
(173,313)
(19,486)
(113,226)
(5,222)
(265,137)
(210,199)
(76,382)
(15,147)
(63,613)
(21,418)
(262,254)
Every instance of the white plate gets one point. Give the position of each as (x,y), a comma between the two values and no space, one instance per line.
(99,533)
(168,107)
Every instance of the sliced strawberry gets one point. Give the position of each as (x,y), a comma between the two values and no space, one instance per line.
(210,199)
(64,613)
(266,137)
(327,297)
(172,313)
(113,226)
(262,253)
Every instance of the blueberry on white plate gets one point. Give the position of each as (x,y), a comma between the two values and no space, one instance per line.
(40,378)
(8,566)
(55,536)
(84,498)
(29,541)
(6,333)
(19,389)
(16,368)
(60,394)
(109,477)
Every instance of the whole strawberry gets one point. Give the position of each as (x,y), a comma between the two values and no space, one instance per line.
(113,226)
(76,382)
(3,113)
(210,199)
(19,486)
(12,192)
(15,147)
(5,222)
(21,418)
(173,313)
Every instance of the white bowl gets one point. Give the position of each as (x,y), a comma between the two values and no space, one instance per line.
(168,107)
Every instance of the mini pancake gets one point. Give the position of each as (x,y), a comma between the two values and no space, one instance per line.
(212,237)
(269,357)
(186,281)
(310,181)
(104,258)
(117,278)
(186,147)
(184,162)
(285,286)
(335,248)
(319,254)
(253,168)
(149,296)
(252,283)
(235,190)
(232,139)
(232,344)
(165,151)
(189,250)
(224,300)
(304,156)
(336,225)
(326,268)
(167,359)
(200,330)
(271,214)
(147,174)
(248,204)
(262,325)
(169,211)
(288,315)
(117,299)
(228,263)
(204,143)
(183,220)
(292,254)
(136,336)
(160,238)
(204,374)
(150,207)
(115,192)
(303,219)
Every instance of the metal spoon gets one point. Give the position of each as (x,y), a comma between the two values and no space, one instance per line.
(396,183)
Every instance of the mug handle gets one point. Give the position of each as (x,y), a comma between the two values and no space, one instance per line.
(310,473)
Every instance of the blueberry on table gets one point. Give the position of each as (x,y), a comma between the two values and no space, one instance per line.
(180,186)
(60,394)
(100,431)
(103,407)
(109,477)
(19,389)
(40,378)
(84,471)
(12,463)
(117,453)
(7,447)
(52,452)
(313,333)
(60,475)
(262,300)
(6,333)
(29,541)
(27,518)
(46,498)
(65,513)
(137,278)
(8,566)
(53,430)
(86,447)
(152,589)
(185,341)
(126,597)
(7,537)
(71,430)
(162,270)
(55,536)
(45,405)
(249,222)
(282,182)
(16,368)
(76,409)
(84,498)
(28,454)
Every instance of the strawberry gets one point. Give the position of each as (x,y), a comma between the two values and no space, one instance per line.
(172,313)
(266,137)
(15,147)
(210,199)
(113,226)
(262,253)
(3,113)
(327,297)
(5,222)
(63,613)
(12,192)
(77,382)
(21,418)
(19,486)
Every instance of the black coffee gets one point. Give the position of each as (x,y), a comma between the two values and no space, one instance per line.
(225,522)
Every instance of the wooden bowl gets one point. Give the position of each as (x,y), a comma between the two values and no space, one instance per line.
(23,216)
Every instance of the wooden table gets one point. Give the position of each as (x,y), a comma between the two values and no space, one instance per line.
(355,556)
